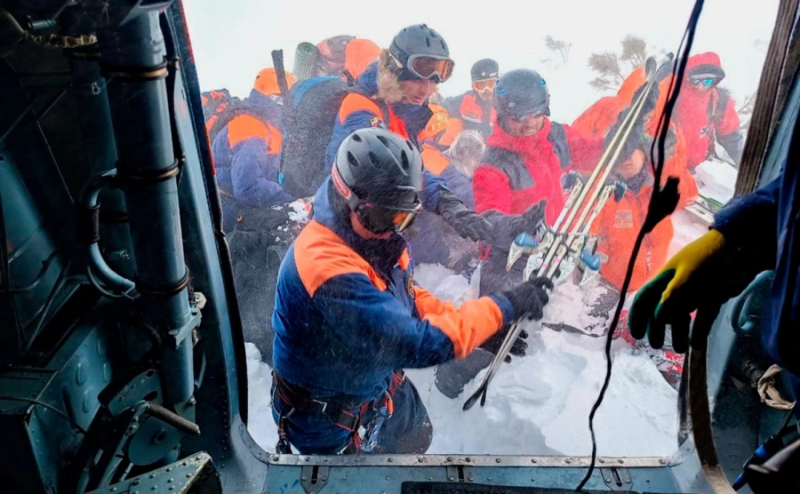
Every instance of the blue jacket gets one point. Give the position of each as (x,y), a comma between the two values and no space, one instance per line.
(247,156)
(360,109)
(348,314)
(765,224)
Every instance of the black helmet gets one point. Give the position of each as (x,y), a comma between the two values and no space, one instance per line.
(379,174)
(521,92)
(421,42)
(485,69)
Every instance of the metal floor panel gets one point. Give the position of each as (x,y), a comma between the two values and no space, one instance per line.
(333,479)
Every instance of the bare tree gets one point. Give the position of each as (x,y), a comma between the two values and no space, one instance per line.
(607,66)
(559,47)
(634,51)
(611,68)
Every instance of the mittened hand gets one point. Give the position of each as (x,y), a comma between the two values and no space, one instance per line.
(529,298)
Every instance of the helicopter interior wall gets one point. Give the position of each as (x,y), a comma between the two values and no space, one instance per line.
(55,158)
(61,134)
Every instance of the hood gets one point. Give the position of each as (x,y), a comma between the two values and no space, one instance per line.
(377,80)
(705,65)
(263,107)
(382,255)
(368,80)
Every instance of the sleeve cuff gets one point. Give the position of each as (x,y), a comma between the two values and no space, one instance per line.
(505,307)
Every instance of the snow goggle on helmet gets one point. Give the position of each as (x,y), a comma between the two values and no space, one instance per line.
(428,67)
(376,218)
(379,219)
(484,85)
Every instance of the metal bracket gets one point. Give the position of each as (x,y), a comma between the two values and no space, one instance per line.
(313,479)
(180,334)
(617,479)
(458,473)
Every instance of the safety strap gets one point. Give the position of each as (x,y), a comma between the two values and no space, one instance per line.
(338,411)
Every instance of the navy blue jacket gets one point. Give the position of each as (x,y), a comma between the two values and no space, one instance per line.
(348,314)
(765,223)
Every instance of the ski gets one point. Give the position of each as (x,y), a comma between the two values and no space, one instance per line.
(563,248)
(516,251)
(590,190)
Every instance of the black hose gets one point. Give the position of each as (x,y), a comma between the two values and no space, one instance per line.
(662,203)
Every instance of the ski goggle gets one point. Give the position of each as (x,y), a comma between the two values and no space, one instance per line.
(379,220)
(428,68)
(484,85)
(707,82)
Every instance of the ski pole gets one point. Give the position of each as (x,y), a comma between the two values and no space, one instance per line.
(283,85)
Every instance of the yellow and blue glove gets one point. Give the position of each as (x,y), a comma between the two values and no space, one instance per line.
(703,275)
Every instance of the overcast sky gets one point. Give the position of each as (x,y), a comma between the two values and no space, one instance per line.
(232,39)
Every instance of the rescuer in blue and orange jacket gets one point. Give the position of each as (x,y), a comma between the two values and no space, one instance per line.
(247,151)
(393,93)
(349,317)
(247,157)
(476,108)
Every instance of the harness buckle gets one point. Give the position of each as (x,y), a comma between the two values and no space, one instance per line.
(323,403)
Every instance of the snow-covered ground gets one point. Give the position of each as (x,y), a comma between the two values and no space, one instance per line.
(536,405)
(540,404)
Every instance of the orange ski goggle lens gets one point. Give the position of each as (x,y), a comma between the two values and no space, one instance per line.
(484,85)
(404,219)
(428,68)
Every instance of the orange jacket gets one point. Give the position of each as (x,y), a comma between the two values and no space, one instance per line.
(618,224)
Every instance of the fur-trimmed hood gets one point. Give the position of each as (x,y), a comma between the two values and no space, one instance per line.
(380,82)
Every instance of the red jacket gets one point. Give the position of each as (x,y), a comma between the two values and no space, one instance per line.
(517,172)
(704,116)
(619,222)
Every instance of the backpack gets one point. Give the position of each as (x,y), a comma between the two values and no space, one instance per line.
(307,132)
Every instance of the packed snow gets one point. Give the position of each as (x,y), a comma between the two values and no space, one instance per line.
(716,180)
(538,404)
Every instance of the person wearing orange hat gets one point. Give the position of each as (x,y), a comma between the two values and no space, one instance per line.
(475,107)
(247,157)
(358,55)
(345,56)
(247,149)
